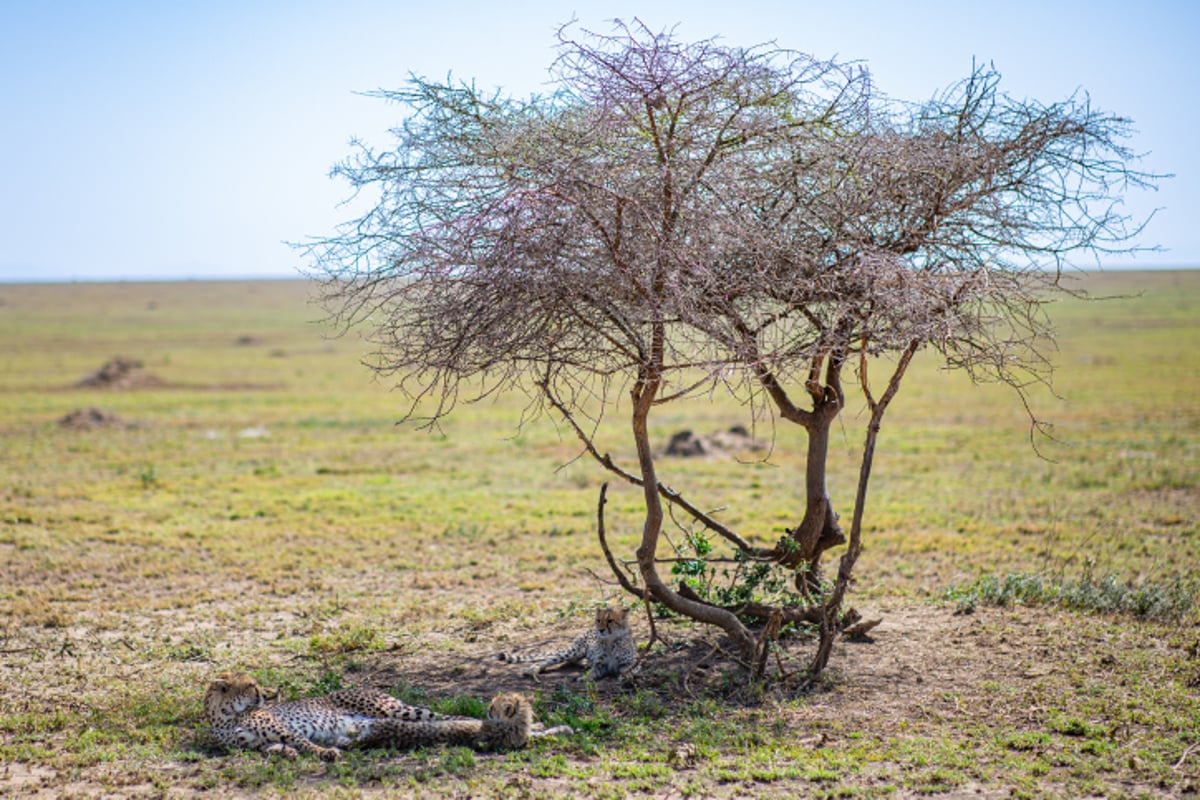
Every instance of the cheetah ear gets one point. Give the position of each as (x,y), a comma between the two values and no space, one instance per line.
(226,679)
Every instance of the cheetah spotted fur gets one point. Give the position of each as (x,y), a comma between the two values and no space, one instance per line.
(607,649)
(236,706)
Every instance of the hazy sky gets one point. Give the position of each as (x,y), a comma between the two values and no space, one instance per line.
(192,139)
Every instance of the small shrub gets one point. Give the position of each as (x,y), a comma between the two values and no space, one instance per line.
(328,683)
(348,639)
(1173,600)
(148,475)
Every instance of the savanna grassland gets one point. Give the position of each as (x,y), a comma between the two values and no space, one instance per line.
(250,503)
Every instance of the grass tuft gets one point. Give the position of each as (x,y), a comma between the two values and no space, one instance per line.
(348,639)
(1174,600)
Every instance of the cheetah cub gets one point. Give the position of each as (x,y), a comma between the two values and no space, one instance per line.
(236,707)
(607,649)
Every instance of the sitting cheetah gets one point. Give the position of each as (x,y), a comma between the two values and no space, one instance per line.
(235,704)
(608,649)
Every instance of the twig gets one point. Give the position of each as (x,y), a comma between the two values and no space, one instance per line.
(596,577)
(1190,749)
(784,675)
(741,662)
(669,494)
(769,634)
(696,666)
(650,619)
(622,579)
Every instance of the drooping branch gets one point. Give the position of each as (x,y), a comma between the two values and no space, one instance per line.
(761,611)
(643,395)
(674,497)
(622,578)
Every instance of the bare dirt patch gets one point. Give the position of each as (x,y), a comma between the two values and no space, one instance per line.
(689,444)
(916,656)
(121,373)
(92,417)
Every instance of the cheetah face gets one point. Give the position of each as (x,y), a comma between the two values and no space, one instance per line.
(508,706)
(610,620)
(231,695)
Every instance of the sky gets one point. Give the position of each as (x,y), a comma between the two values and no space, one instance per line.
(193,140)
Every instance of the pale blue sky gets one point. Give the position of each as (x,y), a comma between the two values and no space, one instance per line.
(189,139)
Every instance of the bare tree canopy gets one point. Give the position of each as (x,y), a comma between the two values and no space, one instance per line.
(687,217)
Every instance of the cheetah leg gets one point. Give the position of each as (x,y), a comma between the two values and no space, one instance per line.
(279,749)
(557,730)
(293,746)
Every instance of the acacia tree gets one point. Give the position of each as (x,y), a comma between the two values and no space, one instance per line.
(686,218)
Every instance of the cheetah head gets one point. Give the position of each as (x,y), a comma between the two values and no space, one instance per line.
(231,695)
(510,707)
(509,721)
(609,620)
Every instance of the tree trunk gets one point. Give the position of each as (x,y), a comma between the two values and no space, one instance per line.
(833,605)
(745,641)
(818,530)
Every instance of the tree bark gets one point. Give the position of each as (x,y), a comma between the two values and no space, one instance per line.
(819,529)
(745,641)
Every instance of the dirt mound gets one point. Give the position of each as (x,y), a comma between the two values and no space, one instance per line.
(120,373)
(88,418)
(687,444)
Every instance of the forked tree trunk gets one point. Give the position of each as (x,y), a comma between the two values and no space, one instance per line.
(819,529)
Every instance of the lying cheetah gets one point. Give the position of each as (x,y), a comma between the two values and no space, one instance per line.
(608,649)
(236,707)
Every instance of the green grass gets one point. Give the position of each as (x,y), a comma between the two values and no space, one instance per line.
(1175,600)
(136,561)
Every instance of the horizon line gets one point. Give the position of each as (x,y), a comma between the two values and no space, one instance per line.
(272,276)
